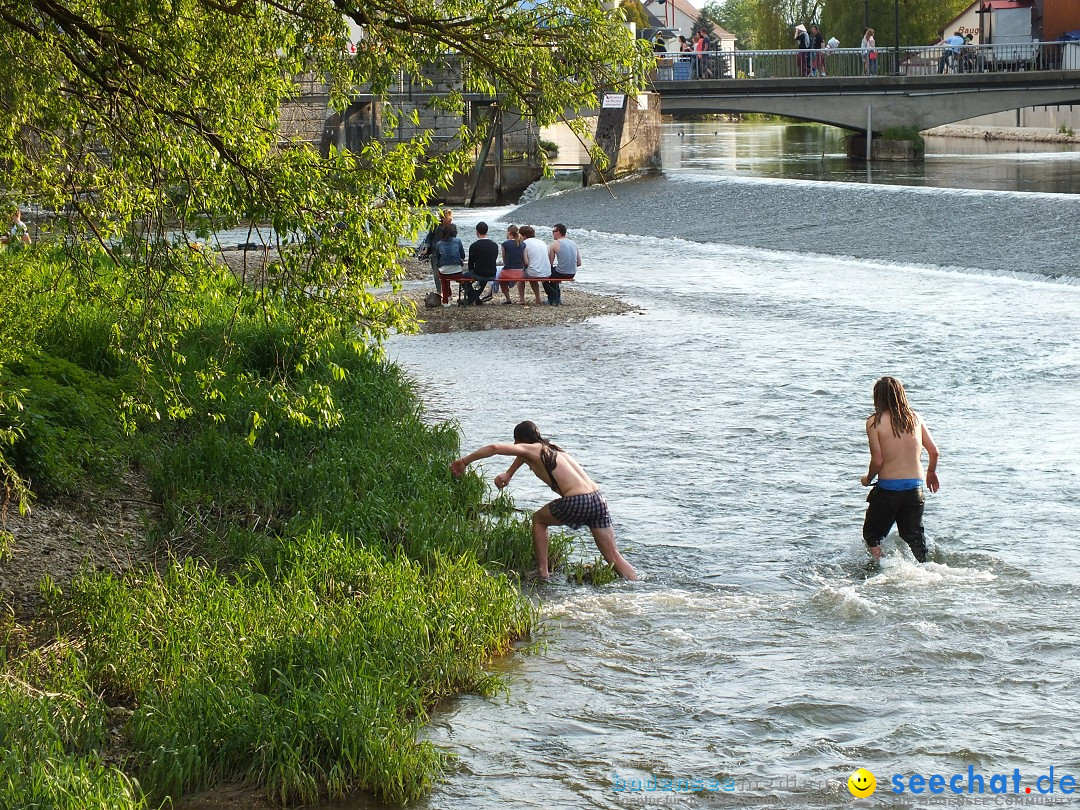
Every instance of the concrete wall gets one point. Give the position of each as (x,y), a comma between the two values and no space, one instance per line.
(304,118)
(629,134)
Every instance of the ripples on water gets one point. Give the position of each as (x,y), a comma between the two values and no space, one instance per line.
(725,427)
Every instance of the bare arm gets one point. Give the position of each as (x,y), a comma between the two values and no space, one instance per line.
(932,483)
(487,451)
(504,479)
(551,255)
(876,459)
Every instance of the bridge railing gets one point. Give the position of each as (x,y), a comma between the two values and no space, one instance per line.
(913,61)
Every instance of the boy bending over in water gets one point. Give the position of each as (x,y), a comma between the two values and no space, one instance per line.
(579,503)
(897,436)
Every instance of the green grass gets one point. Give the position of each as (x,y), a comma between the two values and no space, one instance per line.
(909,133)
(310,683)
(335,583)
(53,731)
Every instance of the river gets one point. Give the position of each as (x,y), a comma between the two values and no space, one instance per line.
(725,425)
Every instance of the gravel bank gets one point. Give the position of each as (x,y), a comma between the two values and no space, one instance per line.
(1031,134)
(578,305)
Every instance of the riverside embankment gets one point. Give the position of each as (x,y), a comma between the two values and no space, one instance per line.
(299,599)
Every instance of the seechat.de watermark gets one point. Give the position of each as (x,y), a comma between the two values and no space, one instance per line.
(965,789)
(1047,783)
(975,789)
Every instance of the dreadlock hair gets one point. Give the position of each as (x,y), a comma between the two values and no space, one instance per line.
(889,395)
(528,433)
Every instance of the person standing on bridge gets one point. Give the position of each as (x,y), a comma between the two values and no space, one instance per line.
(802,42)
(701,49)
(817,45)
(953,45)
(832,45)
(869,49)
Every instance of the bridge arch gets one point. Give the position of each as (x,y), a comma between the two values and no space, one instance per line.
(893,101)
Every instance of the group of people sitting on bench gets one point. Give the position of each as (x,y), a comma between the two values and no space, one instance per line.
(517,261)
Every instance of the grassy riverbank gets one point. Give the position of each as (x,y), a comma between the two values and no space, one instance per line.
(319,584)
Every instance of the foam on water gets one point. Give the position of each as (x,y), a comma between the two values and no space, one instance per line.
(900,572)
(891,189)
(845,601)
(725,426)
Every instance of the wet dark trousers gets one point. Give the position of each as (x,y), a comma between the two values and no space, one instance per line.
(905,509)
(554,291)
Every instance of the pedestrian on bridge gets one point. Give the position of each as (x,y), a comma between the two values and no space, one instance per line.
(953,45)
(817,45)
(802,42)
(869,49)
(832,45)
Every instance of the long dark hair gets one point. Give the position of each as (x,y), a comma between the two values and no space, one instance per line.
(889,395)
(528,433)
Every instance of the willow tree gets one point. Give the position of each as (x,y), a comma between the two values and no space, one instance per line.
(921,21)
(141,123)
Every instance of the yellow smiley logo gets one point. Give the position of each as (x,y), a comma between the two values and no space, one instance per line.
(861,783)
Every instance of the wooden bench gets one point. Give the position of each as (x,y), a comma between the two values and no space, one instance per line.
(444,282)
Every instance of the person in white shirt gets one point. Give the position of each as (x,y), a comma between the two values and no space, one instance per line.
(537,264)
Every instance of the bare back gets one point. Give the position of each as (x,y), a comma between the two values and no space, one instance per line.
(901,456)
(570,477)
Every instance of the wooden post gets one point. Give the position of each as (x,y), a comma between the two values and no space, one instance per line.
(493,112)
(498,154)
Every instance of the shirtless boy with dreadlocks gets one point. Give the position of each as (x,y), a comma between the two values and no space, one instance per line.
(579,503)
(897,436)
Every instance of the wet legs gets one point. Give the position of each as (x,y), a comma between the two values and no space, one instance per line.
(605,543)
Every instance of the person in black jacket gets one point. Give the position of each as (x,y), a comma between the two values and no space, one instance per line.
(817,45)
(483,258)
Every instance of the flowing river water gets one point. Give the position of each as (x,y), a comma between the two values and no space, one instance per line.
(725,425)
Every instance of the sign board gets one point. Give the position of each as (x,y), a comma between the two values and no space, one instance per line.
(613,101)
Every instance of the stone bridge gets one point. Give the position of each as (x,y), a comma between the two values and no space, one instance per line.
(874,103)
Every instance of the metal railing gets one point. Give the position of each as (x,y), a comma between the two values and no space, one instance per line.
(913,61)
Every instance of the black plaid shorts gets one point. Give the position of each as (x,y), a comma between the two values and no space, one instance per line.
(576,511)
